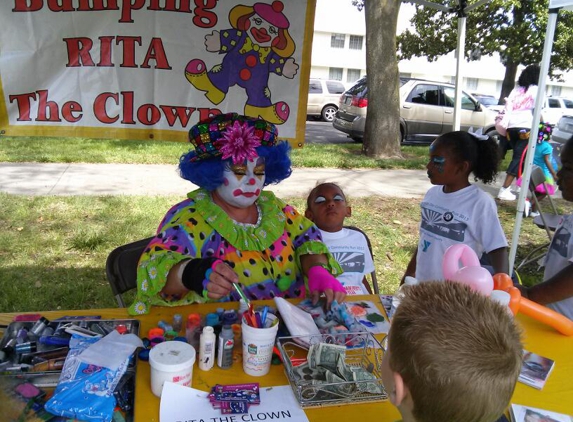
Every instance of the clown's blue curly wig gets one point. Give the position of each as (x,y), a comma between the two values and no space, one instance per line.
(208,173)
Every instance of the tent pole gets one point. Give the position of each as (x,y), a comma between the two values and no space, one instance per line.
(544,71)
(460,51)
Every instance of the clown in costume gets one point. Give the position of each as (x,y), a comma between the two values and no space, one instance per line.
(230,230)
(257,45)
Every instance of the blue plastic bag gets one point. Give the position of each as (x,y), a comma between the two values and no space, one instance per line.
(84,391)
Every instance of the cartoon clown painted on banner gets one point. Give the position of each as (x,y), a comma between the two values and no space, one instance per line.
(257,45)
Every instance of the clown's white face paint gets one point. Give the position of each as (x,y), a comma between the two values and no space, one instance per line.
(261,32)
(242,183)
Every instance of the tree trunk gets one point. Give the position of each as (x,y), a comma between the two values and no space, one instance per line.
(508,80)
(382,133)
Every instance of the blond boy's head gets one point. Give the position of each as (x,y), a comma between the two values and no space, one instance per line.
(453,355)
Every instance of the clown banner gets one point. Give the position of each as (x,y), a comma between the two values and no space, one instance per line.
(151,69)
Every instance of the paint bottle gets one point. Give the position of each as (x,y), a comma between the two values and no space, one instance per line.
(214,321)
(177,322)
(165,326)
(229,317)
(243,307)
(225,347)
(193,330)
(399,295)
(207,349)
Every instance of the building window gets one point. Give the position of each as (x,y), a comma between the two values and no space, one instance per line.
(337,40)
(352,75)
(355,42)
(471,84)
(555,90)
(335,73)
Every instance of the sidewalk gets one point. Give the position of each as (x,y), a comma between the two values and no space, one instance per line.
(137,179)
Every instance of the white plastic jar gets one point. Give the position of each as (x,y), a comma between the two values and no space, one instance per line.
(171,361)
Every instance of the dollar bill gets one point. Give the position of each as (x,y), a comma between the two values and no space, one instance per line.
(366,382)
(327,355)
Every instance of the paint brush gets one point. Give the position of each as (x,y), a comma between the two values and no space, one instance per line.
(241,293)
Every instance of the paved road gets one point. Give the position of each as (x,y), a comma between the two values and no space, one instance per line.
(319,132)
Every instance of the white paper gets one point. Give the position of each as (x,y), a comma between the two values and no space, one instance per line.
(298,322)
(179,403)
(111,351)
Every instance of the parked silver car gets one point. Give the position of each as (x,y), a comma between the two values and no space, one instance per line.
(563,131)
(426,111)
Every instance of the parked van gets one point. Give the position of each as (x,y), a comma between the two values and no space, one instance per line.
(554,108)
(323,97)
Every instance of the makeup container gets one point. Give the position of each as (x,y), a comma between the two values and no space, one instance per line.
(171,361)
(39,326)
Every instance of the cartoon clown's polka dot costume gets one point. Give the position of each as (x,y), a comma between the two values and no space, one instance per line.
(257,45)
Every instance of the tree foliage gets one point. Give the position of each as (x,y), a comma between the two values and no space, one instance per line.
(513,28)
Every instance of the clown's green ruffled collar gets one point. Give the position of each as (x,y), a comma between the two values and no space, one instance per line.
(243,237)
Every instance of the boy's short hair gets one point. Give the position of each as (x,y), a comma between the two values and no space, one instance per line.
(458,352)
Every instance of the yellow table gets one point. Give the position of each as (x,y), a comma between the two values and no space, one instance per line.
(556,395)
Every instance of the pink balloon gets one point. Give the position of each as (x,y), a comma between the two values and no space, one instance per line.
(478,278)
(452,257)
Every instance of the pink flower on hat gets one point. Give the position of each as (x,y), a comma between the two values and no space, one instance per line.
(238,143)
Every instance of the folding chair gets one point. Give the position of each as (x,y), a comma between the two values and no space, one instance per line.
(121,268)
(548,222)
(373,280)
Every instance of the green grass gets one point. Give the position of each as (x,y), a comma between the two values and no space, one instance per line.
(53,249)
(82,150)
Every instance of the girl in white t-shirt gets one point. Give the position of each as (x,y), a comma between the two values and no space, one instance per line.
(327,208)
(455,211)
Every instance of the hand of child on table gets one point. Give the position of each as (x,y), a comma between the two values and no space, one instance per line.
(321,281)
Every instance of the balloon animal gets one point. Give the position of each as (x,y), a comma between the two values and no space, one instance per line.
(479,279)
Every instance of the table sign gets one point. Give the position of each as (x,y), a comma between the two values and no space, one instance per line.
(179,403)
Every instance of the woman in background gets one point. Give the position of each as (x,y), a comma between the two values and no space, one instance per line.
(519,109)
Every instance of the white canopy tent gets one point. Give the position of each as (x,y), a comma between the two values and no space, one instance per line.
(554,7)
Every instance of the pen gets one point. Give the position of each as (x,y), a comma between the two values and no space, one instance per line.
(241,293)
